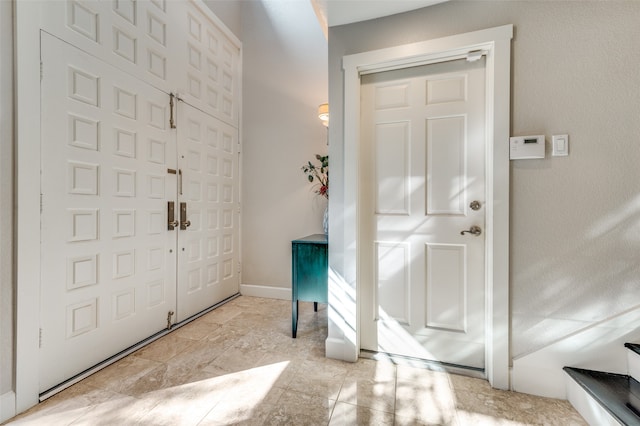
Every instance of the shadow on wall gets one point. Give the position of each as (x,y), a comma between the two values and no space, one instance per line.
(574,274)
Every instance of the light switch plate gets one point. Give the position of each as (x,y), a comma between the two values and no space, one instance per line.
(560,145)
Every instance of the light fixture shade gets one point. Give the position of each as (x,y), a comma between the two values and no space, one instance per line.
(323,114)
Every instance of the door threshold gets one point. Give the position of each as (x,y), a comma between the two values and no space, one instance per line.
(131,349)
(426,364)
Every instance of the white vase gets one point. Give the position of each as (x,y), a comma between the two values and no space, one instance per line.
(325,221)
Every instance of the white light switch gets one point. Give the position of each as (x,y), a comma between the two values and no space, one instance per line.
(560,145)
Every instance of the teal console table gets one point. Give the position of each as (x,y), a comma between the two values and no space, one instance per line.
(309,274)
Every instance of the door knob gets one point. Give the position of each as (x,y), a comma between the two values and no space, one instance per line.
(475,230)
(185,224)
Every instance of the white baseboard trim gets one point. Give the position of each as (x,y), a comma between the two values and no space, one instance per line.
(334,348)
(7,406)
(265,291)
(588,408)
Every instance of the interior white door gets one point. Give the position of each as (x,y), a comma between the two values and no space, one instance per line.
(423,139)
(108,261)
(208,183)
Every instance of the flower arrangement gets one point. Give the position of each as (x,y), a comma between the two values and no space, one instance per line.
(319,173)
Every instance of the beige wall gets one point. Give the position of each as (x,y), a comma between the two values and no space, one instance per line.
(284,81)
(6,198)
(575,221)
(229,12)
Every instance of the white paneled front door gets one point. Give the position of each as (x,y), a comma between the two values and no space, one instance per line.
(114,271)
(208,255)
(108,262)
(423,184)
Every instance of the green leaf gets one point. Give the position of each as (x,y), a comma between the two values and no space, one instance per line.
(310,177)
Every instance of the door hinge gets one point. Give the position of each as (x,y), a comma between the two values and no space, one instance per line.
(239,267)
(40,337)
(41,70)
(239,148)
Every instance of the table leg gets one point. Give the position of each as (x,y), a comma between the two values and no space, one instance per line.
(294,318)
(315,306)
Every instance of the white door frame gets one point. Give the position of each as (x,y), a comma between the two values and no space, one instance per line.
(496,43)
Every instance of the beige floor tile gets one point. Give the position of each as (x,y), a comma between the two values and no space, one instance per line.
(320,387)
(250,408)
(322,377)
(234,359)
(227,335)
(505,406)
(239,365)
(222,314)
(295,408)
(371,369)
(118,411)
(409,421)
(123,374)
(187,404)
(326,368)
(416,374)
(164,349)
(197,330)
(66,407)
(430,402)
(349,415)
(288,366)
(237,415)
(370,393)
(472,384)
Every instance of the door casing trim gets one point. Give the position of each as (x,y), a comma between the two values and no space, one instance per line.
(496,43)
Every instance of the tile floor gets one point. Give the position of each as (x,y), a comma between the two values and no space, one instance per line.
(239,365)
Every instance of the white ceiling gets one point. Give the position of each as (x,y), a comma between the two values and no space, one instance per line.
(339,12)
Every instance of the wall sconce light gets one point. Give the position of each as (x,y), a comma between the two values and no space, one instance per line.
(323,114)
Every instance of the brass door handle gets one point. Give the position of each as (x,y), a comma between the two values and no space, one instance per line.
(184,223)
(171,222)
(475,230)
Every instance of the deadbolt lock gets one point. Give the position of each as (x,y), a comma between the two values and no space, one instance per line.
(475,205)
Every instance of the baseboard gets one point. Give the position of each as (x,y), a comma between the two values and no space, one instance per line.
(265,291)
(7,406)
